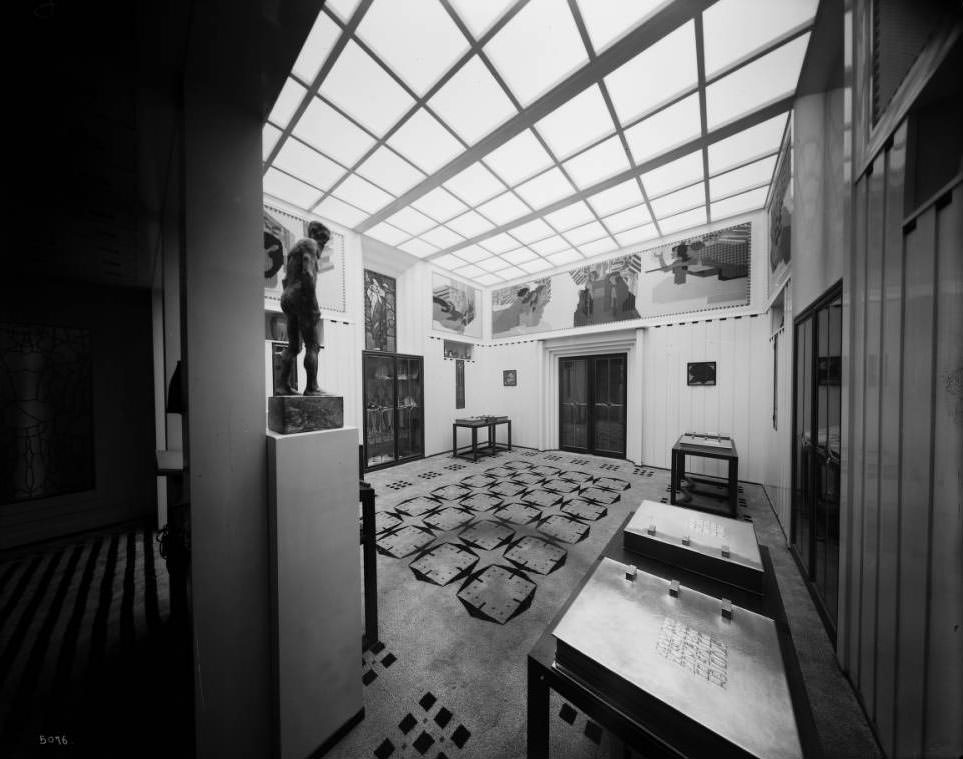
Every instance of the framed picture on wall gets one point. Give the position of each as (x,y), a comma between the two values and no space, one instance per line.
(510,377)
(701,373)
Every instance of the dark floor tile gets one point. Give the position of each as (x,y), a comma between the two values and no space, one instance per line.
(423,742)
(568,714)
(388,660)
(460,736)
(427,701)
(407,723)
(593,732)
(385,749)
(369,677)
(443,717)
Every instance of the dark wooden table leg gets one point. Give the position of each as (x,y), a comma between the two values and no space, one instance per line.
(673,477)
(509,434)
(454,440)
(474,444)
(733,486)
(491,437)
(538,705)
(368,529)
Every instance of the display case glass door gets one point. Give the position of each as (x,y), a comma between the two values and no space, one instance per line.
(592,397)
(393,408)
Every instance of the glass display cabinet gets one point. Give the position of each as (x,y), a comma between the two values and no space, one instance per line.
(394,408)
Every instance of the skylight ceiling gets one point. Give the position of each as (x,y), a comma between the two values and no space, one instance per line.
(503,138)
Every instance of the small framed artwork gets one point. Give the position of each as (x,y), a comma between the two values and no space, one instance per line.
(701,373)
(510,377)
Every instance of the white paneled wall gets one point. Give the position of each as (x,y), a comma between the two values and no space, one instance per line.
(778,452)
(521,403)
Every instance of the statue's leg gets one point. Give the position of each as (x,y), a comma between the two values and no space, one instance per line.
(312,344)
(289,374)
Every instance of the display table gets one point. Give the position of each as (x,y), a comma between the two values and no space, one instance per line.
(474,424)
(657,732)
(709,447)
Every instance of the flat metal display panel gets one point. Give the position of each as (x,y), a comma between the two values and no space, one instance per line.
(711,441)
(723,677)
(707,536)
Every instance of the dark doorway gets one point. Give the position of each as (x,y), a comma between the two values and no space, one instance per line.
(591,404)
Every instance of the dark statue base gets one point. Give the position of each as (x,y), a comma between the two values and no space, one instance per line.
(288,414)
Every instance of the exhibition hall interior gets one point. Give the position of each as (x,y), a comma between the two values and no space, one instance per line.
(484,378)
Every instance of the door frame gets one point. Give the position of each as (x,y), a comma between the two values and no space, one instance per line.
(590,387)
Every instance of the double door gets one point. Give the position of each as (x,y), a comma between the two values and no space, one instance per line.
(394,408)
(592,404)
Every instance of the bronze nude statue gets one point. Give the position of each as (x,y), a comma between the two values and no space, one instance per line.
(299,302)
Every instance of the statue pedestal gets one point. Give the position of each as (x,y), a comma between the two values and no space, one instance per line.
(305,413)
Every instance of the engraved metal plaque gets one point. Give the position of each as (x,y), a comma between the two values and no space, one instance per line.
(647,650)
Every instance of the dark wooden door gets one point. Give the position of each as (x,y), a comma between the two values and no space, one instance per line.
(592,396)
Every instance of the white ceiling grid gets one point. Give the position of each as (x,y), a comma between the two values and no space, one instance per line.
(504,138)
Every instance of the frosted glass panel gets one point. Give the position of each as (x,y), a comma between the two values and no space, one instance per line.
(682,200)
(387,234)
(387,170)
(531,231)
(519,256)
(545,188)
(636,235)
(418,248)
(292,190)
(475,184)
(570,216)
(747,201)
(305,163)
(533,267)
(472,253)
(363,194)
(411,221)
(499,243)
(338,211)
(577,123)
(439,204)
(519,158)
(687,220)
(743,178)
(627,219)
(598,163)
(753,142)
(316,47)
(288,100)
(442,237)
(472,102)
(616,198)
(479,15)
(551,244)
(585,233)
(425,142)
(503,209)
(564,257)
(331,133)
(609,20)
(667,129)
(679,173)
(269,138)
(598,247)
(470,224)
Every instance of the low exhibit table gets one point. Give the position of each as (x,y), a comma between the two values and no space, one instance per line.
(475,423)
(709,447)
(712,545)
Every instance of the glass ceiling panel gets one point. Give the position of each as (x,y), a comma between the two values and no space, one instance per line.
(479,15)
(564,257)
(500,243)
(448,261)
(316,47)
(536,229)
(337,210)
(637,235)
(361,88)
(470,224)
(488,279)
(545,188)
(533,267)
(442,237)
(410,220)
(586,233)
(771,77)
(343,9)
(537,48)
(609,20)
(361,193)
(503,209)
(472,253)
(416,38)
(287,103)
(551,244)
(598,163)
(627,219)
(331,133)
(682,200)
(519,256)
(425,142)
(733,29)
(472,102)
(387,234)
(750,175)
(519,158)
(753,142)
(598,247)
(655,75)
(292,190)
(570,216)
(580,121)
(687,220)
(470,271)
(747,201)
(475,184)
(298,159)
(679,173)
(418,248)
(492,263)
(667,129)
(269,138)
(439,204)
(387,170)
(616,198)
(511,272)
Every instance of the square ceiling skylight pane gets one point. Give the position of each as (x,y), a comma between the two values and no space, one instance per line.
(448,261)
(667,129)
(616,198)
(475,184)
(418,248)
(609,20)
(425,142)
(519,158)
(361,88)
(327,130)
(337,210)
(570,216)
(747,201)
(539,47)
(387,234)
(519,256)
(767,79)
(442,237)
(546,188)
(499,243)
(387,170)
(586,233)
(411,221)
(306,164)
(564,257)
(269,138)
(678,173)
(598,163)
(681,200)
(636,235)
(472,102)
(287,103)
(683,221)
(503,209)
(439,204)
(551,244)
(343,9)
(487,279)
(577,123)
(472,253)
(533,267)
(627,219)
(511,272)
(316,47)
(470,224)
(753,142)
(417,39)
(597,248)
(479,15)
(361,193)
(491,264)
(749,176)
(659,73)
(470,271)
(294,191)
(733,29)
(536,229)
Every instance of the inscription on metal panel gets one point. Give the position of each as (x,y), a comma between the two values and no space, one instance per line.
(708,527)
(703,655)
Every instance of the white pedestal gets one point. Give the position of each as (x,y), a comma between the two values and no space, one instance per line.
(316,586)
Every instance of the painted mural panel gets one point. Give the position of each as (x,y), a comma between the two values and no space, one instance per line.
(780,218)
(379,312)
(455,307)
